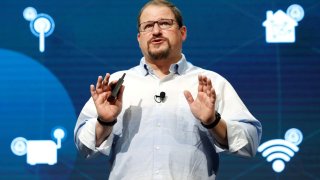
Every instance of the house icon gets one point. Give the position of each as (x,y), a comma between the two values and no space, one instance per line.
(280,27)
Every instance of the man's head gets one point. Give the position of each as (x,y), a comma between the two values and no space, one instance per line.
(161,30)
(172,7)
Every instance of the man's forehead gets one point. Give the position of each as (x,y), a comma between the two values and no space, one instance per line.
(156,12)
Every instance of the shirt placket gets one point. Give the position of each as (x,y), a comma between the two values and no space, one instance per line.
(158,159)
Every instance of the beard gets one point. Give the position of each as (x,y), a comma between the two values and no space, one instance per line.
(159,54)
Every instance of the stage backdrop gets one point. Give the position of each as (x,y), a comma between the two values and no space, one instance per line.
(51,51)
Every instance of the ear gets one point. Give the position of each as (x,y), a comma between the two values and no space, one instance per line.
(138,37)
(183,31)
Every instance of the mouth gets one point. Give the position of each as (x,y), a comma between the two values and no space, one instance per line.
(157,40)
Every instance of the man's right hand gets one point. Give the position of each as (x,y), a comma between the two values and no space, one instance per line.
(107,111)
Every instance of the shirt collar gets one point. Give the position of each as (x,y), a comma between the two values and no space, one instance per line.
(176,68)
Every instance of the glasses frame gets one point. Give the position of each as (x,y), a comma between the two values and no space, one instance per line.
(156,22)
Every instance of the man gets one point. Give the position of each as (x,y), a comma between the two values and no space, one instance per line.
(170,118)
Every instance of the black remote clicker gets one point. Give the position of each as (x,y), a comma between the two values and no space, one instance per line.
(116,88)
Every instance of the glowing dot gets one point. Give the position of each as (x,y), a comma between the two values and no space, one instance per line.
(294,136)
(296,12)
(59,133)
(19,146)
(29,13)
(278,166)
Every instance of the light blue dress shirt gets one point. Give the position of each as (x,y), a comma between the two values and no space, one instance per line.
(153,140)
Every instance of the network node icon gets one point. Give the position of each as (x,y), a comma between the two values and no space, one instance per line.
(41,25)
(279,151)
(39,151)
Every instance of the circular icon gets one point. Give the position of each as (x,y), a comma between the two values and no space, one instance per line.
(58,133)
(19,146)
(296,12)
(29,13)
(43,23)
(278,166)
(294,136)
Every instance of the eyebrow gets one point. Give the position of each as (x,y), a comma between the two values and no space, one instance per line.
(157,20)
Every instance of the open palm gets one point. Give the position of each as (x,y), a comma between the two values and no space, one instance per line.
(203,107)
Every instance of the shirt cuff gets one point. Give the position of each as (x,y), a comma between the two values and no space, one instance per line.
(237,138)
(87,137)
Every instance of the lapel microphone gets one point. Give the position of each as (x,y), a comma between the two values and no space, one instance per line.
(160,98)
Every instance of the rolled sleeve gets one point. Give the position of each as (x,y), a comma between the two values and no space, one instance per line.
(243,139)
(243,129)
(87,138)
(237,138)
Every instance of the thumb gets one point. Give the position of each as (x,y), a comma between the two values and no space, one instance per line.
(188,97)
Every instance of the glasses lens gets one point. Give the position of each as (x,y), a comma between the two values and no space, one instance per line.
(165,23)
(162,23)
(147,26)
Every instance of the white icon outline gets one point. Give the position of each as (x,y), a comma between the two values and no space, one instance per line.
(279,151)
(19,146)
(280,26)
(41,25)
(39,151)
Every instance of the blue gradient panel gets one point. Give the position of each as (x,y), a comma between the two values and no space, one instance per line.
(33,104)
(279,82)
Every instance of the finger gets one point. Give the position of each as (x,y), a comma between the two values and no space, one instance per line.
(213,91)
(99,82)
(209,87)
(188,97)
(204,82)
(213,97)
(209,83)
(93,92)
(106,79)
(200,86)
(101,98)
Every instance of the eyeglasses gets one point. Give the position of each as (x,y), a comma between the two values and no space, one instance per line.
(162,23)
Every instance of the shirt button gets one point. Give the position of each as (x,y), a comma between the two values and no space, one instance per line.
(158,125)
(156,171)
(157,148)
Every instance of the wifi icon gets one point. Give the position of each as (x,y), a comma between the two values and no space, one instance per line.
(279,151)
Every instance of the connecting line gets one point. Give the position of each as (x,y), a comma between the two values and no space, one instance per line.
(58,143)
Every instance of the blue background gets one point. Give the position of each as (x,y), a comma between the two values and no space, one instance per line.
(279,83)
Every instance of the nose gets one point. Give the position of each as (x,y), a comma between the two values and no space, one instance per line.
(156,29)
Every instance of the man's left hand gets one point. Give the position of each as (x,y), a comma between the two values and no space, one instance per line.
(203,107)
